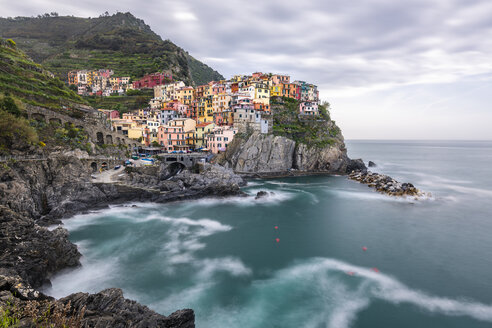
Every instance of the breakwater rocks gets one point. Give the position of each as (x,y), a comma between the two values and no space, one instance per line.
(386,185)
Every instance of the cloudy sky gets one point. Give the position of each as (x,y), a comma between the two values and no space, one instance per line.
(413,69)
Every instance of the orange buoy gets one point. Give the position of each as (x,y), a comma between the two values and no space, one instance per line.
(364,248)
(277,239)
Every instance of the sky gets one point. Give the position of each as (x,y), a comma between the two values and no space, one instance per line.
(413,69)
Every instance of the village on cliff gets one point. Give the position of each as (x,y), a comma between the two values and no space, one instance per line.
(183,118)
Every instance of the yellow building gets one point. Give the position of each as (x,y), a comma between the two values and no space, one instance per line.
(221,102)
(276,91)
(261,91)
(209,110)
(201,131)
(185,95)
(136,133)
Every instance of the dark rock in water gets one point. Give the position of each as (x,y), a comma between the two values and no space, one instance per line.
(261,194)
(386,184)
(371,164)
(134,206)
(356,165)
(109,308)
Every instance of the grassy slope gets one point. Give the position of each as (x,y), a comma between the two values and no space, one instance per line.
(120,42)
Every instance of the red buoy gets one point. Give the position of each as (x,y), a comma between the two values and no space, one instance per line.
(276,227)
(350,273)
(375,269)
(277,239)
(364,248)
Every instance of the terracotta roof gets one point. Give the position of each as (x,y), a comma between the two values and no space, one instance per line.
(201,125)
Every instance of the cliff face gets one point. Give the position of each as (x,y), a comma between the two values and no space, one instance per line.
(268,154)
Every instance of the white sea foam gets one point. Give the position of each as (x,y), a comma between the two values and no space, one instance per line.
(324,295)
(387,288)
(373,195)
(91,277)
(209,267)
(273,199)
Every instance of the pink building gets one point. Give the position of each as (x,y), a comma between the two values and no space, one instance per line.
(277,79)
(218,89)
(218,140)
(177,134)
(308,108)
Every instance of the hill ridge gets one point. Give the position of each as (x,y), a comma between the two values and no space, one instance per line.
(121,42)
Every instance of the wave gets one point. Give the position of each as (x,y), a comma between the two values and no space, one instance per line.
(312,293)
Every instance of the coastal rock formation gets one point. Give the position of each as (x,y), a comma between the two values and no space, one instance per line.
(328,159)
(34,193)
(32,252)
(385,184)
(260,153)
(268,154)
(108,308)
(213,180)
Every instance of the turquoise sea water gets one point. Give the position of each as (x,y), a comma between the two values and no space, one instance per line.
(221,258)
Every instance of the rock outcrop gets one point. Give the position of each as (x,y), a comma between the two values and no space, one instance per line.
(25,307)
(41,192)
(386,185)
(213,180)
(268,154)
(109,308)
(32,252)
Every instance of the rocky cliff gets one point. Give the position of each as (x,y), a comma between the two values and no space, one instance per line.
(298,144)
(266,154)
(35,193)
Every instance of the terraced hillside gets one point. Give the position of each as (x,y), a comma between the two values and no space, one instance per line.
(30,82)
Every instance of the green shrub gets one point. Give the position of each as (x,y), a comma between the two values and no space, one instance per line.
(11,43)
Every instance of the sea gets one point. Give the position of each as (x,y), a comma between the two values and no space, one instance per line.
(318,251)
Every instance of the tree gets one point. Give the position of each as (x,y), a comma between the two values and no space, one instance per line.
(8,104)
(155,144)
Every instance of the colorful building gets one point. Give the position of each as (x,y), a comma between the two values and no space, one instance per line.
(220,137)
(151,80)
(175,135)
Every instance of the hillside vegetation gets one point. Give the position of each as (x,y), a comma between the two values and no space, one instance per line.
(24,82)
(119,42)
(134,99)
(29,82)
(313,131)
